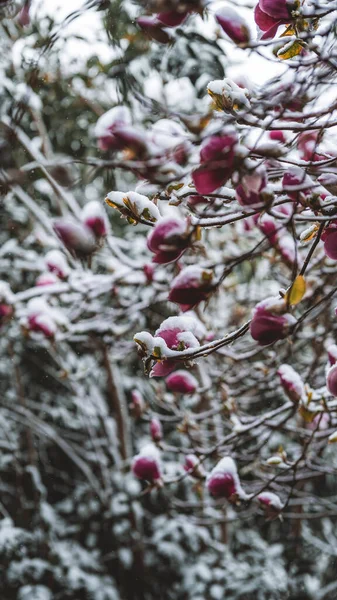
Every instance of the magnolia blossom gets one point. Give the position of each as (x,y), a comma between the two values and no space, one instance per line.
(332,354)
(113,120)
(331,380)
(146,464)
(169,239)
(182,382)
(291,383)
(329,237)
(56,262)
(271,503)
(251,188)
(156,430)
(174,334)
(40,318)
(154,28)
(270,14)
(23,16)
(193,467)
(217,158)
(191,286)
(224,482)
(233,25)
(76,237)
(297,184)
(172,18)
(94,217)
(270,321)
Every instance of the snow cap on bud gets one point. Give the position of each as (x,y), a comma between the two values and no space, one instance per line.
(332,353)
(182,382)
(76,237)
(113,120)
(233,25)
(270,321)
(228,95)
(191,286)
(156,430)
(169,239)
(217,158)
(271,503)
(224,482)
(193,467)
(291,383)
(56,262)
(331,380)
(94,217)
(146,464)
(40,318)
(251,187)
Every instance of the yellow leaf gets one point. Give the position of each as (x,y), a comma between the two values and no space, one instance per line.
(308,415)
(295,294)
(290,50)
(289,31)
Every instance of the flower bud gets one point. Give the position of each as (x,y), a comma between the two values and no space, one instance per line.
(271,504)
(270,321)
(191,286)
(224,482)
(329,237)
(291,383)
(181,382)
(6,301)
(297,184)
(55,262)
(277,136)
(137,403)
(172,18)
(77,238)
(146,465)
(251,187)
(23,16)
(331,380)
(227,95)
(114,119)
(332,354)
(154,28)
(233,25)
(193,467)
(217,158)
(47,279)
(156,430)
(168,240)
(94,217)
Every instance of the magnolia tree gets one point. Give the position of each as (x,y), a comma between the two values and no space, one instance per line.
(169,380)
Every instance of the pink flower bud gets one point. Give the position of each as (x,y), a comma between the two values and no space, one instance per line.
(168,240)
(138,404)
(268,226)
(291,383)
(224,482)
(271,504)
(6,312)
(115,118)
(146,464)
(181,382)
(193,467)
(77,238)
(251,188)
(297,184)
(172,18)
(148,272)
(191,286)
(331,380)
(94,217)
(332,354)
(277,136)
(233,25)
(154,28)
(23,16)
(217,156)
(156,430)
(47,279)
(270,322)
(56,262)
(329,237)
(42,323)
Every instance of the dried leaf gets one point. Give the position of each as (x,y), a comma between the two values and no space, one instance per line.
(295,294)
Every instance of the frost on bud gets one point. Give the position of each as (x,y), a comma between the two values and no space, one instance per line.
(135,207)
(56,262)
(227,95)
(47,279)
(137,403)
(76,237)
(154,28)
(193,467)
(191,286)
(224,482)
(329,237)
(332,354)
(146,465)
(169,239)
(217,158)
(270,321)
(271,504)
(233,25)
(182,382)
(156,430)
(94,217)
(331,380)
(251,189)
(291,383)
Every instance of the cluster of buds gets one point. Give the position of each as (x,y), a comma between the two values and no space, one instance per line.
(136,208)
(233,25)
(218,162)
(271,321)
(224,481)
(270,14)
(191,286)
(174,335)
(170,238)
(146,465)
(291,382)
